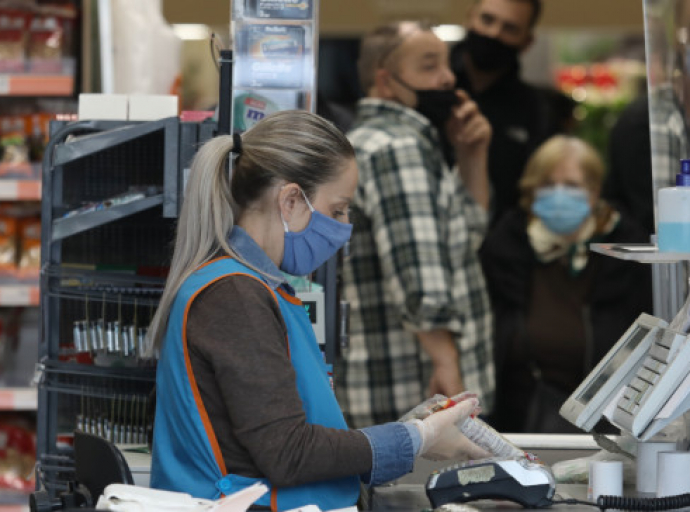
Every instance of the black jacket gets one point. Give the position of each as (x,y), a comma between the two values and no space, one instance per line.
(620,291)
(520,117)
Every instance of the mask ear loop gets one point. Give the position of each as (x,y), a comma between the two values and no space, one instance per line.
(306,200)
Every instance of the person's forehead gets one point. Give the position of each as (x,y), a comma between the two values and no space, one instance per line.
(518,12)
(420,44)
(568,168)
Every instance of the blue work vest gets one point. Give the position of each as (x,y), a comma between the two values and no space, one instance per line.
(186,454)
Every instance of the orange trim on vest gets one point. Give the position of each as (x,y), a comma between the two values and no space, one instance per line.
(274,500)
(288,297)
(195,389)
(212,261)
(190,373)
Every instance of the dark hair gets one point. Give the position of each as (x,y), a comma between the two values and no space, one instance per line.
(536,10)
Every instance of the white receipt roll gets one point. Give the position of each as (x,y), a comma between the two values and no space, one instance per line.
(606,478)
(647,463)
(673,473)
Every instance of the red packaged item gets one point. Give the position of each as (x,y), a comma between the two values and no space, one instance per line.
(17,459)
(8,246)
(13,30)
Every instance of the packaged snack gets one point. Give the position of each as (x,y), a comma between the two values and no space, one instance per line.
(17,458)
(29,248)
(38,132)
(13,29)
(8,246)
(44,47)
(15,150)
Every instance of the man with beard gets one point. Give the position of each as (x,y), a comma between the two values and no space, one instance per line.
(421,321)
(486,65)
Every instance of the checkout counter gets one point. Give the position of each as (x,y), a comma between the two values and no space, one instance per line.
(408,493)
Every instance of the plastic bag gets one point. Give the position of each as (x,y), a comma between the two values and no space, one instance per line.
(576,471)
(131,498)
(426,408)
(146,51)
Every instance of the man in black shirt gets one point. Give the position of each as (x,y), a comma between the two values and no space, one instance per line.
(486,65)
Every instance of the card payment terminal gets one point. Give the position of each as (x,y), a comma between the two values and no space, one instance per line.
(520,480)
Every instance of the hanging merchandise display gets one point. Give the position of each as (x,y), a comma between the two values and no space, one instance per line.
(275,59)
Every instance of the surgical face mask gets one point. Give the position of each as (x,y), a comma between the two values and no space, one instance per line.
(434,104)
(562,209)
(307,250)
(489,53)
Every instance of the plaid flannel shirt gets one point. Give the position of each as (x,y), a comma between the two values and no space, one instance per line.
(669,138)
(412,266)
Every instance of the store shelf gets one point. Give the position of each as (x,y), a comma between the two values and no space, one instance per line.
(642,253)
(36,85)
(19,294)
(19,190)
(93,143)
(62,228)
(18,399)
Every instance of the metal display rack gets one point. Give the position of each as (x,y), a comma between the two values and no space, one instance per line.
(103,265)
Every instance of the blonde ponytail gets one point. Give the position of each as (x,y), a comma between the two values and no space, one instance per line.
(289,146)
(206,218)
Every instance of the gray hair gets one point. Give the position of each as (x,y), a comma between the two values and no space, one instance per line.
(291,146)
(378,45)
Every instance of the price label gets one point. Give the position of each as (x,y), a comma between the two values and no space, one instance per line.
(4,84)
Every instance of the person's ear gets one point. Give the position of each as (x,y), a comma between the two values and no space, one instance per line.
(288,199)
(382,83)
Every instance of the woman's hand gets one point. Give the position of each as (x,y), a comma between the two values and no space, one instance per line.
(441,438)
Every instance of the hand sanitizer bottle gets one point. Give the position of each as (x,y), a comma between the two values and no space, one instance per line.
(674,213)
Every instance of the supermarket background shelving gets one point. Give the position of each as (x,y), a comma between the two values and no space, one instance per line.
(18,399)
(37,84)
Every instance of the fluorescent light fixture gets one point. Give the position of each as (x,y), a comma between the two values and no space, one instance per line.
(449,32)
(191,31)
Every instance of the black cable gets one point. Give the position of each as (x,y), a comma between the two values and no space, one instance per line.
(572,501)
(623,503)
(667,503)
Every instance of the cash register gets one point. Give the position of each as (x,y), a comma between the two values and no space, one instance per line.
(641,384)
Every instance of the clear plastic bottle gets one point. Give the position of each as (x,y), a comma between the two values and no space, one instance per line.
(489,439)
(674,213)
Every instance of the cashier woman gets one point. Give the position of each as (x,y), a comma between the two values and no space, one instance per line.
(243,393)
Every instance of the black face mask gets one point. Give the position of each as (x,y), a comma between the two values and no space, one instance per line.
(434,104)
(437,106)
(490,54)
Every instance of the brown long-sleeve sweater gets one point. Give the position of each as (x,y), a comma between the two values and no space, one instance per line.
(237,347)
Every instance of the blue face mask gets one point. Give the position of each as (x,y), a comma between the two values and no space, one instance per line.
(307,250)
(562,209)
